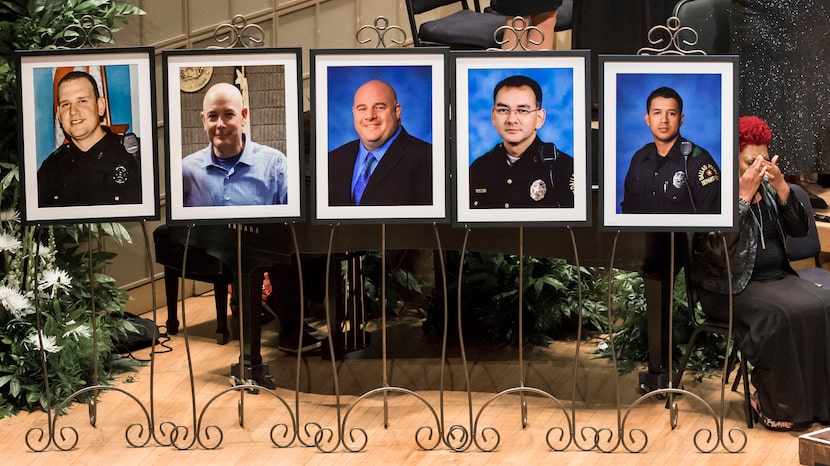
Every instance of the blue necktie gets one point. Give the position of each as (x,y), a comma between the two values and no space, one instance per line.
(363,179)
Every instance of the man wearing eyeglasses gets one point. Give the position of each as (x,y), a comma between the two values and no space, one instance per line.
(385,165)
(522,170)
(672,174)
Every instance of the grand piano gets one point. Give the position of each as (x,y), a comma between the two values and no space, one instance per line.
(264,246)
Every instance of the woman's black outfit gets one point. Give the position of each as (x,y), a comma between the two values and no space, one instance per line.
(788,317)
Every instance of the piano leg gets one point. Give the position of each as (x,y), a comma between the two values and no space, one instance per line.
(657,295)
(171,290)
(251,328)
(220,294)
(658,280)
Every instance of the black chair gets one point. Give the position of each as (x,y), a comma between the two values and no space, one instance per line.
(718,328)
(710,18)
(807,247)
(464,29)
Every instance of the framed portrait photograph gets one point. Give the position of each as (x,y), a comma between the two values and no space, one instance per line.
(234,135)
(521,138)
(668,138)
(88,135)
(380,141)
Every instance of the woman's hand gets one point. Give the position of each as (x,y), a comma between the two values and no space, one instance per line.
(777,181)
(751,178)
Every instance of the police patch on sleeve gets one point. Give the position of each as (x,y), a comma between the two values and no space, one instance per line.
(707,174)
(538,190)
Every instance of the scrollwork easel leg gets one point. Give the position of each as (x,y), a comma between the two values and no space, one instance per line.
(181,432)
(93,402)
(425,436)
(282,434)
(458,437)
(704,440)
(40,444)
(521,389)
(307,430)
(136,434)
(734,446)
(160,435)
(611,444)
(324,438)
(586,429)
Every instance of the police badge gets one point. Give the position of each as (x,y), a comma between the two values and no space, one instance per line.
(679,179)
(120,174)
(538,190)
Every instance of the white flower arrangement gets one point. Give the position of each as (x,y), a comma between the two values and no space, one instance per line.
(15,303)
(54,280)
(50,343)
(77,331)
(9,243)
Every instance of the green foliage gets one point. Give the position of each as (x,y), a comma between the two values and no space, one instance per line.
(631,336)
(402,285)
(54,276)
(550,297)
(49,282)
(40,24)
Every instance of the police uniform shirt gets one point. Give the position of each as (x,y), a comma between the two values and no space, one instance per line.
(676,183)
(541,177)
(106,174)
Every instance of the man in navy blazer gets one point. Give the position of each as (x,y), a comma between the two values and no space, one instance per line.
(386,165)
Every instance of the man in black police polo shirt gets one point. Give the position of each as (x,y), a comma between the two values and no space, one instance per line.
(94,166)
(671,175)
(521,171)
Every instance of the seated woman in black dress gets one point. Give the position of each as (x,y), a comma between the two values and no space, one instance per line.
(788,318)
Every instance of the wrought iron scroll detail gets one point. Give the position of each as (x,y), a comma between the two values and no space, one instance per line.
(378,31)
(672,39)
(238,33)
(85,33)
(522,32)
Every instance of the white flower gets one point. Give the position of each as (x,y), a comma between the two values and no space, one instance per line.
(50,343)
(8,242)
(15,302)
(79,331)
(42,250)
(9,215)
(54,280)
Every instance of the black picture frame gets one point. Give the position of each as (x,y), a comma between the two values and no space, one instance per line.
(270,80)
(708,86)
(121,182)
(562,77)
(419,78)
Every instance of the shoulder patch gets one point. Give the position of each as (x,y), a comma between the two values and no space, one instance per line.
(696,151)
(707,174)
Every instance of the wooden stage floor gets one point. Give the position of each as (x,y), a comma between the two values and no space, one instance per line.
(395,444)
